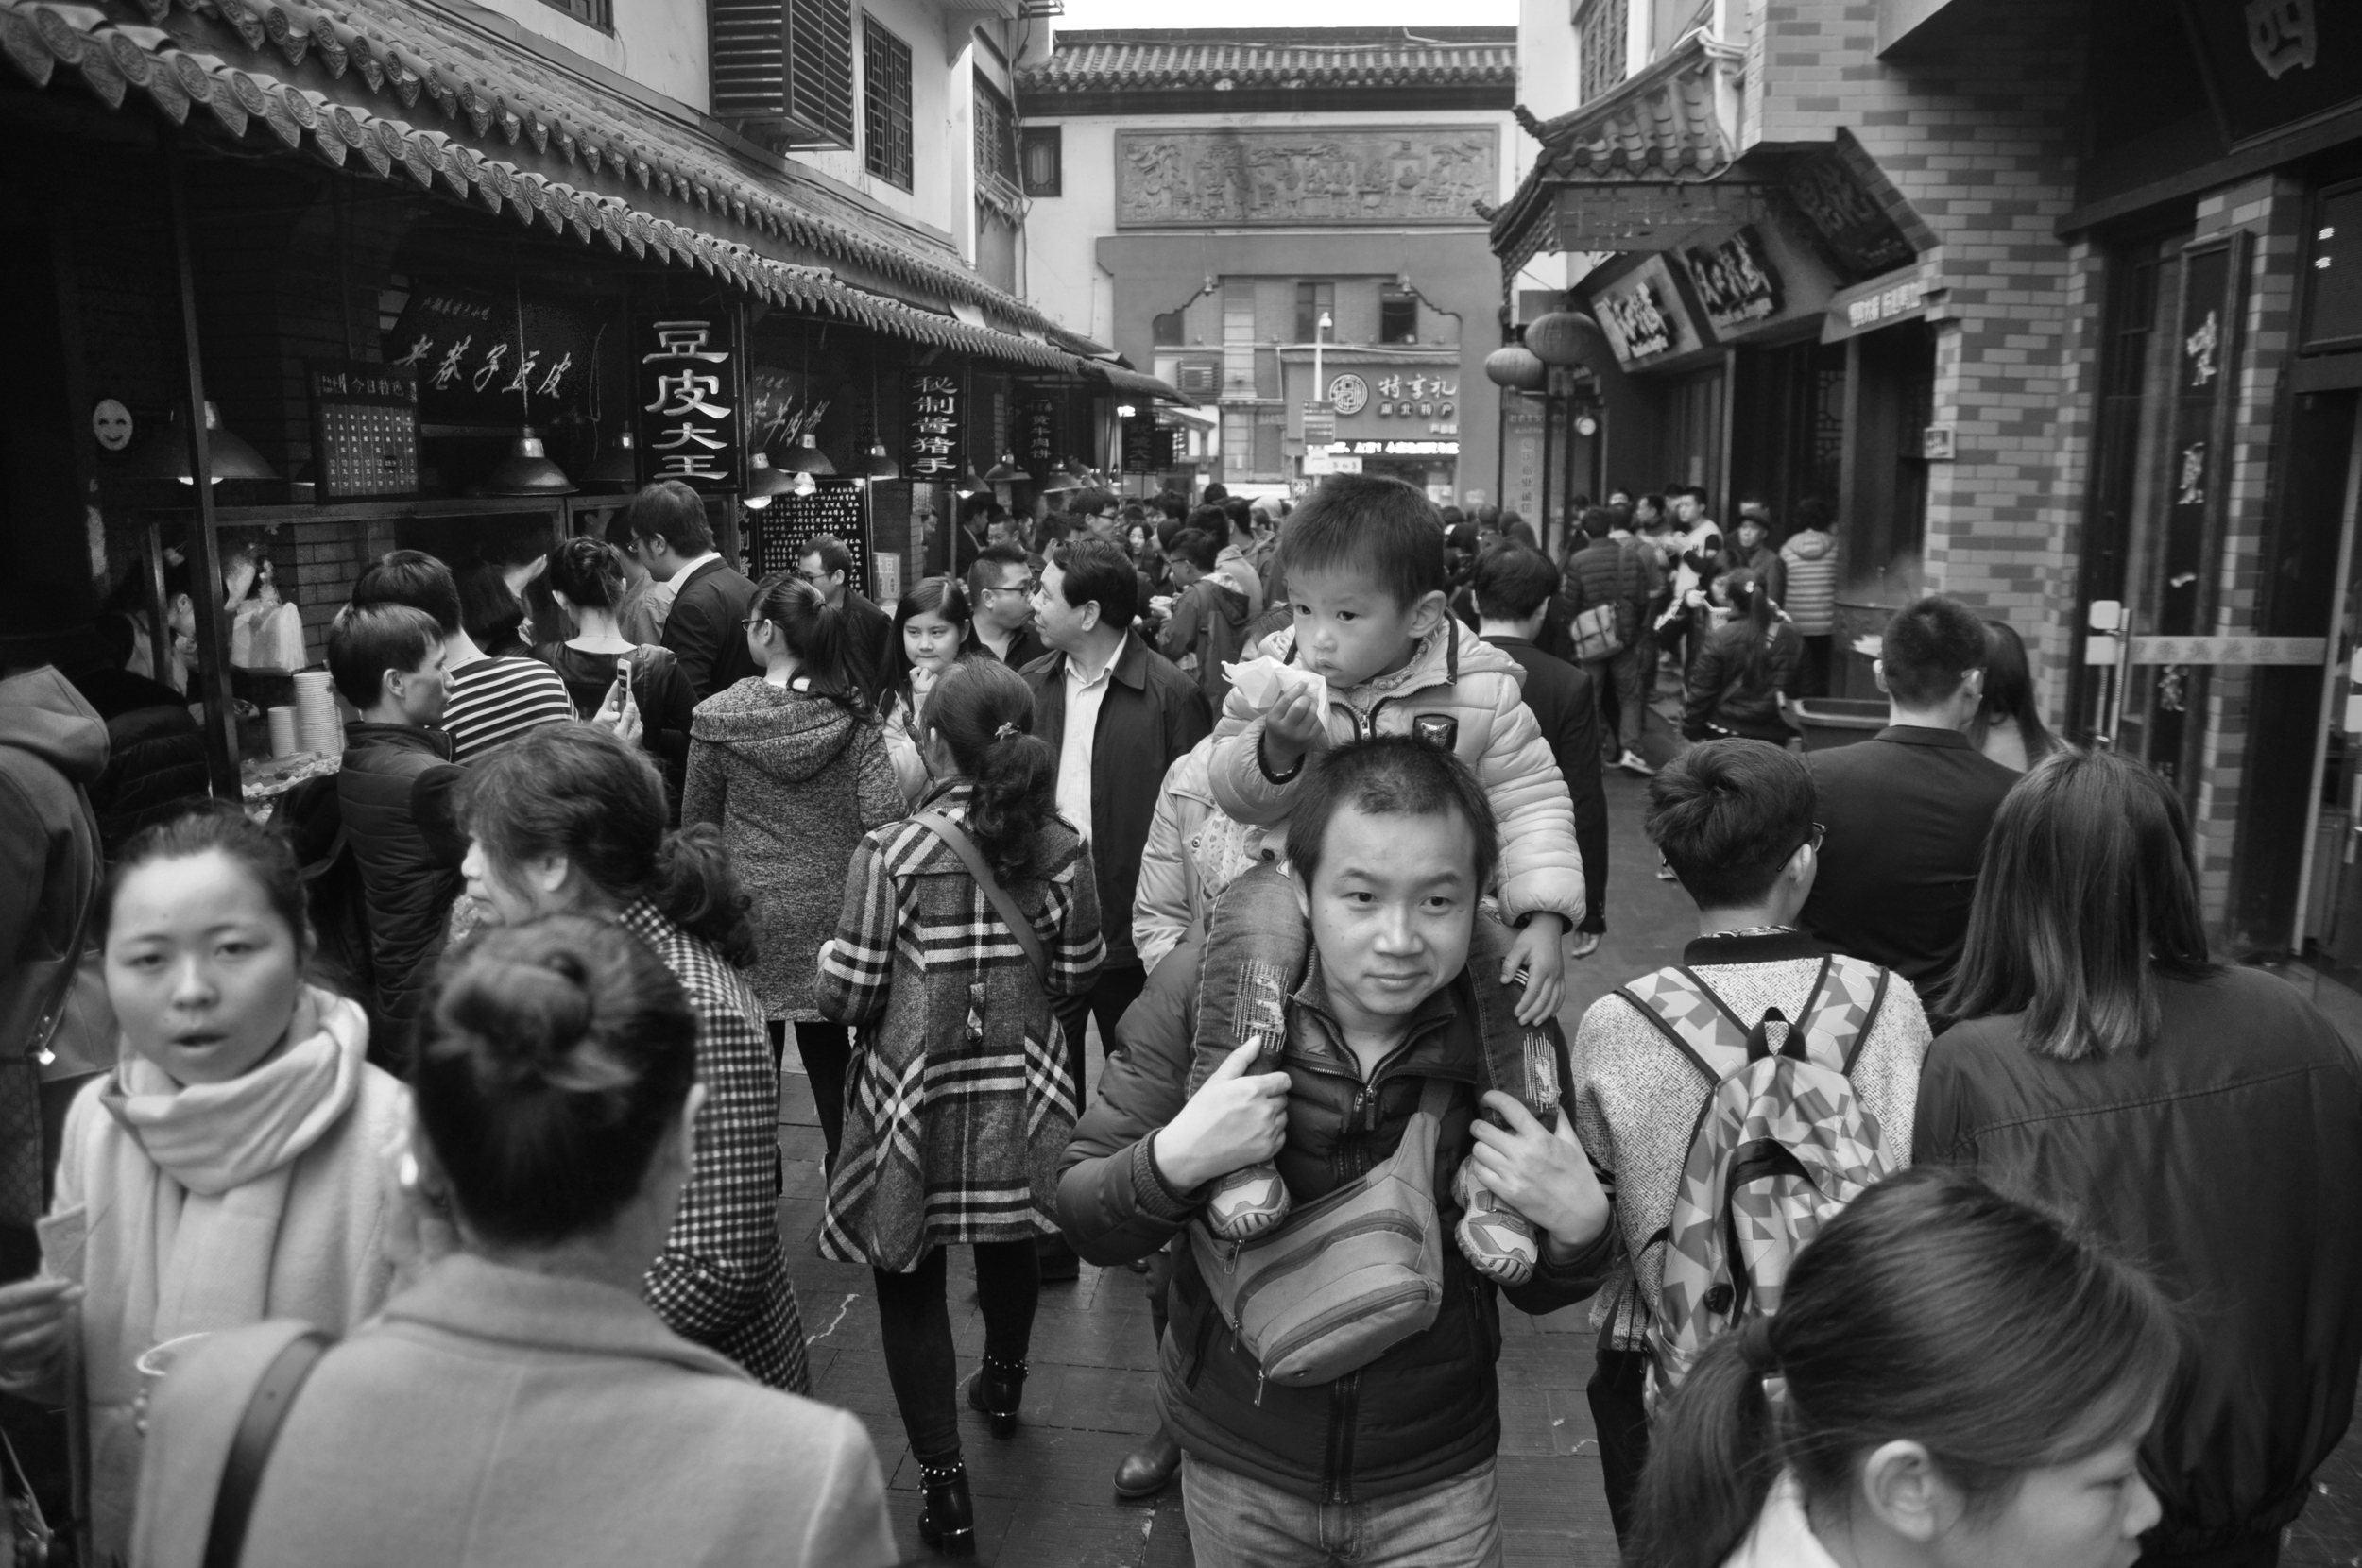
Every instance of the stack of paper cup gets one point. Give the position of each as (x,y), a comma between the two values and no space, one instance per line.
(317,726)
(282,731)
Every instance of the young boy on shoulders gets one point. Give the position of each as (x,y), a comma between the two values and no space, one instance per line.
(395,795)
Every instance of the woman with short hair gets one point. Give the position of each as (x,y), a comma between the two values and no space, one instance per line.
(521,1405)
(2206,1117)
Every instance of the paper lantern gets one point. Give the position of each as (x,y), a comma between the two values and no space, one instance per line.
(1565,337)
(1517,368)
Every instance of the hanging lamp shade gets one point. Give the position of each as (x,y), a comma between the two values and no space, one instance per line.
(807,457)
(228,454)
(528,472)
(1517,368)
(881,464)
(1062,478)
(1006,471)
(1565,337)
(801,483)
(764,483)
(618,466)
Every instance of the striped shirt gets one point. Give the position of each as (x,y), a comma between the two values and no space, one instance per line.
(499,699)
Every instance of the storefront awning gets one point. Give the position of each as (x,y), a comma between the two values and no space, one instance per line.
(1118,378)
(399,94)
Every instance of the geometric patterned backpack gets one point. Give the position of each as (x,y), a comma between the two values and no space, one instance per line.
(1780,1146)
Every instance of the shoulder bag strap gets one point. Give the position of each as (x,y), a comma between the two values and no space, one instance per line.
(61,990)
(1005,906)
(250,1450)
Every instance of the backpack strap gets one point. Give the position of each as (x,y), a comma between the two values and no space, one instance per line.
(1687,1011)
(1844,1007)
(1005,906)
(257,1430)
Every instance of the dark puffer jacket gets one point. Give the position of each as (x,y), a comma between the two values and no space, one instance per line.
(1426,1410)
(395,795)
(155,754)
(1724,698)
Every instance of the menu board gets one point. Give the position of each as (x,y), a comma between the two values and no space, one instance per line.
(784,530)
(364,429)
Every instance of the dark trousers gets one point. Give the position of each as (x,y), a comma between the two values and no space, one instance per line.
(1620,1413)
(1814,677)
(826,1052)
(1109,995)
(915,1325)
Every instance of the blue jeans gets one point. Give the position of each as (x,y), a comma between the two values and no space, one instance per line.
(1237,1522)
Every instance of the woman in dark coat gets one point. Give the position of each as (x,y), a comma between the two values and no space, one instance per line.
(961,1101)
(1744,668)
(793,767)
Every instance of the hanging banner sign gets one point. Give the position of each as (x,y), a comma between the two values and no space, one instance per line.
(1642,314)
(933,451)
(488,358)
(1141,448)
(1734,282)
(686,401)
(1038,440)
(1853,226)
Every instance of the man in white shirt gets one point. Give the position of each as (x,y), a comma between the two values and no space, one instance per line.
(1119,714)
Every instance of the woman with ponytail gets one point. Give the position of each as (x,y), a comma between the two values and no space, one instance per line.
(520,1404)
(793,768)
(586,577)
(930,627)
(1744,668)
(1953,1378)
(959,927)
(569,820)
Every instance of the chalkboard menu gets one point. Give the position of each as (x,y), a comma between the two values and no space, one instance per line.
(784,530)
(364,429)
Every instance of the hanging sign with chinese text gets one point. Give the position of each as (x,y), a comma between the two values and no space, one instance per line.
(1642,314)
(1734,282)
(1038,440)
(364,429)
(1857,234)
(935,399)
(1141,447)
(484,357)
(685,400)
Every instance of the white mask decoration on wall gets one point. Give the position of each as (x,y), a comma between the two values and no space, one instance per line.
(111,423)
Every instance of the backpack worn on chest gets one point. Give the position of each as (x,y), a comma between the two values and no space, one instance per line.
(1780,1144)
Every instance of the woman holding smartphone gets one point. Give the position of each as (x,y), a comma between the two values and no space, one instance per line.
(605,672)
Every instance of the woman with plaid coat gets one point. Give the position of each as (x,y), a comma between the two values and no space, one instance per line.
(959,1100)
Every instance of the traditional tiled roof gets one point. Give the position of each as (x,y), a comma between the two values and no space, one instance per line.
(1376,59)
(389,88)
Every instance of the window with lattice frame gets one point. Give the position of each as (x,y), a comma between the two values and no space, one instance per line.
(1602,38)
(885,112)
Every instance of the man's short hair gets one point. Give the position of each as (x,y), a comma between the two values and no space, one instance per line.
(1598,522)
(1511,581)
(1362,522)
(366,641)
(1930,646)
(671,511)
(1096,569)
(984,570)
(1394,775)
(1240,512)
(1726,816)
(415,578)
(834,557)
(1195,545)
(1216,491)
(1091,504)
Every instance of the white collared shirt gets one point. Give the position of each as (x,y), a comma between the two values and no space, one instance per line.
(660,593)
(1084,696)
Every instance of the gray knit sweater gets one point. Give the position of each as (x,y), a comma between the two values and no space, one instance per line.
(1637,1098)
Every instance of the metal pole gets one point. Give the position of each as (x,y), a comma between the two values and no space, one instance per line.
(212,621)
(1550,419)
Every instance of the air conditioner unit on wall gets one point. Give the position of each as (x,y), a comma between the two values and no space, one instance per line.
(1199,377)
(785,66)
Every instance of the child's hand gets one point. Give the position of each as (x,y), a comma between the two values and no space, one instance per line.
(1540,1171)
(1291,728)
(1536,951)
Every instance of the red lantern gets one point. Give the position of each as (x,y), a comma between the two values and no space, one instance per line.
(1517,368)
(1565,337)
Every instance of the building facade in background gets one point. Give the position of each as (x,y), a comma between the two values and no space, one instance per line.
(1205,201)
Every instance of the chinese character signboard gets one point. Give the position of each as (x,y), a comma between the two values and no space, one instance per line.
(482,357)
(1357,175)
(364,429)
(1037,438)
(935,414)
(1143,449)
(685,399)
(784,530)
(1856,233)
(1735,282)
(1642,314)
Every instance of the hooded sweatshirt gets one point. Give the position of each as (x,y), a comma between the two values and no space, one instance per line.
(794,780)
(1811,600)
(1207,626)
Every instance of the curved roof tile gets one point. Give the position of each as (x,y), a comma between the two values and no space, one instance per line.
(1099,62)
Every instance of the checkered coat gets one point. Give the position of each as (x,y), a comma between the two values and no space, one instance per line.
(959,1101)
(721,1280)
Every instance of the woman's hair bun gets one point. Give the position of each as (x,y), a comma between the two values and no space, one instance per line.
(526,1016)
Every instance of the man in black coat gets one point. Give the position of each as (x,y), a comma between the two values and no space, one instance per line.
(1907,811)
(704,628)
(1513,585)
(827,565)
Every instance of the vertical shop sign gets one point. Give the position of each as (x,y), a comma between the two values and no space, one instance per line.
(686,381)
(935,410)
(1039,438)
(1140,446)
(1521,455)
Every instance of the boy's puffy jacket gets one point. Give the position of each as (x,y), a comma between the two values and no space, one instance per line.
(1811,598)
(1456,674)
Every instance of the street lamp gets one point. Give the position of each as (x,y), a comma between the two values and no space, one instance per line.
(1320,330)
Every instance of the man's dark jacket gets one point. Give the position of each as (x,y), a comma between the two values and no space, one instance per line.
(1569,711)
(706,628)
(1429,1408)
(866,631)
(1907,811)
(1025,647)
(1150,716)
(394,797)
(2225,1157)
(155,754)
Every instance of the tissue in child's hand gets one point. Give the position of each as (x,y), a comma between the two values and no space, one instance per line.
(1264,681)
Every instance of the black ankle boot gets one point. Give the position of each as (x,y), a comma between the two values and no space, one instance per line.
(946,1521)
(998,1389)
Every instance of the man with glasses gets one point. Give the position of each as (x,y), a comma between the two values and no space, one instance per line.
(999,592)
(828,566)
(1733,819)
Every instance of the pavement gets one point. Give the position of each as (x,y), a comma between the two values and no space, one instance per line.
(1044,1497)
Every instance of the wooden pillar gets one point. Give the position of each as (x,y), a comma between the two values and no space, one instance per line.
(204,553)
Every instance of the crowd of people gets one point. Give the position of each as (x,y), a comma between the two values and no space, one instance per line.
(1946,1203)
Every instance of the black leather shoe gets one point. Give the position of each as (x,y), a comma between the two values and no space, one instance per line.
(996,1393)
(1057,1259)
(1150,1467)
(947,1521)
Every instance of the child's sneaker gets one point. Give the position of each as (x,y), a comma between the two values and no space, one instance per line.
(1497,1241)
(1245,1204)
